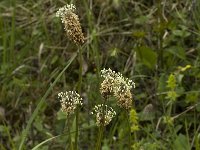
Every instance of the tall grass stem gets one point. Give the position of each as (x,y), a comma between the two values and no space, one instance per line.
(67,128)
(41,103)
(101,128)
(80,57)
(129,130)
(160,34)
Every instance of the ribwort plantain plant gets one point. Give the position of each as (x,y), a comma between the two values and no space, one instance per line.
(74,32)
(69,102)
(155,42)
(114,84)
(104,115)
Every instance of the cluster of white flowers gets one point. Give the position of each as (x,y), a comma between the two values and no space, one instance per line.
(115,83)
(69,101)
(65,10)
(104,114)
(117,80)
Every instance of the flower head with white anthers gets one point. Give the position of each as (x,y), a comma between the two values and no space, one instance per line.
(104,114)
(108,84)
(114,83)
(71,23)
(69,101)
(65,10)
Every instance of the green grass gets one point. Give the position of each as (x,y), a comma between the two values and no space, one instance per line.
(147,41)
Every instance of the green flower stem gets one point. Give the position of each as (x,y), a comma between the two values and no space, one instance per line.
(100,135)
(80,57)
(67,124)
(76,134)
(79,91)
(170,109)
(101,128)
(129,129)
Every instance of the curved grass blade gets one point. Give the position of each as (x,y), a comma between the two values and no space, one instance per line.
(49,139)
(40,104)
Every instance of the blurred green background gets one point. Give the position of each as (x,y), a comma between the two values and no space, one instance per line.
(155,43)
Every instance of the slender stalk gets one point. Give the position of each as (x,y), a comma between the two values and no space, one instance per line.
(68,129)
(80,57)
(129,130)
(101,128)
(76,134)
(170,108)
(12,38)
(79,91)
(3,28)
(100,135)
(160,34)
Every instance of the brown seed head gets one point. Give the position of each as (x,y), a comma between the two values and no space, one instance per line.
(71,23)
(124,99)
(114,83)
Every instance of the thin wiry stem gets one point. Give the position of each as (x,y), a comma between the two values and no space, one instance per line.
(79,91)
(160,40)
(129,130)
(101,128)
(67,124)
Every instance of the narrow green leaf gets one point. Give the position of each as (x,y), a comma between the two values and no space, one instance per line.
(40,104)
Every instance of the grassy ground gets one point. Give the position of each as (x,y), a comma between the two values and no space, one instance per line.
(154,43)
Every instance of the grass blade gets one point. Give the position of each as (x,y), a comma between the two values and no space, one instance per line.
(40,104)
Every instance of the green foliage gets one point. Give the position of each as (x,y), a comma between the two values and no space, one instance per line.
(155,43)
(147,56)
(177,51)
(168,120)
(172,95)
(181,143)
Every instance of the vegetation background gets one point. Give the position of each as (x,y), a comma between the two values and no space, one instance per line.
(155,43)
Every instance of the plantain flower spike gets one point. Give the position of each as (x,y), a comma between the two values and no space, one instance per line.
(115,84)
(69,101)
(103,110)
(71,23)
